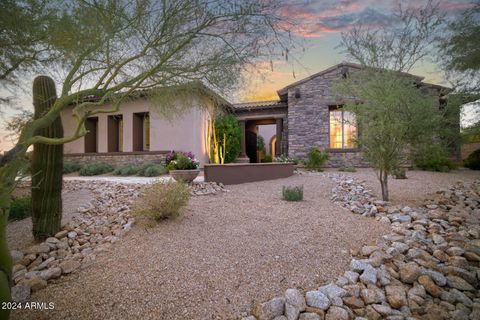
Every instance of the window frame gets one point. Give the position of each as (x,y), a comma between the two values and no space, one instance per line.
(343,148)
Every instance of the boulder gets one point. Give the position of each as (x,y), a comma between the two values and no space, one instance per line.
(270,309)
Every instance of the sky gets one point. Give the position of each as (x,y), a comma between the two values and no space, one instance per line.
(323,21)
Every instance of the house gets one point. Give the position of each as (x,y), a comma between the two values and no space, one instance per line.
(305,115)
(138,132)
(308,115)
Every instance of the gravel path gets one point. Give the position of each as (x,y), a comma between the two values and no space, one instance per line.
(227,251)
(19,233)
(418,186)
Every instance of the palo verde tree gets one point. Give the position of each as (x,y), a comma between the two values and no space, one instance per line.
(392,114)
(108,51)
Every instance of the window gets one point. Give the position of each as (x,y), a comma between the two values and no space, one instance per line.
(141,131)
(90,140)
(115,133)
(342,129)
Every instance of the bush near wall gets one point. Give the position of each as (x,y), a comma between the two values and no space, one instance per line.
(19,208)
(228,124)
(473,160)
(162,200)
(69,167)
(316,159)
(94,169)
(433,158)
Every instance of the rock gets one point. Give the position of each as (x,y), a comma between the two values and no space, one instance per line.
(371,313)
(249,318)
(294,304)
(400,247)
(458,296)
(280,318)
(331,290)
(430,286)
(351,276)
(317,299)
(20,293)
(61,234)
(72,235)
(69,266)
(353,302)
(455,251)
(16,256)
(51,273)
(396,296)
(38,249)
(459,283)
(336,313)
(36,283)
(382,309)
(368,250)
(358,265)
(309,316)
(441,255)
(269,309)
(372,295)
(439,278)
(438,239)
(409,272)
(369,275)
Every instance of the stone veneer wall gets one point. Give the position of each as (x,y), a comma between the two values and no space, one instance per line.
(346,159)
(308,117)
(116,159)
(309,121)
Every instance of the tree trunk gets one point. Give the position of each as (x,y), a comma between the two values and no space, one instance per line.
(384,184)
(47,165)
(8,172)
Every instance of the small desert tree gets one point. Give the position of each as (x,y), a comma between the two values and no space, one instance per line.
(392,114)
(107,51)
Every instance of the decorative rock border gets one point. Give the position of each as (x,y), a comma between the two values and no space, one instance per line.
(427,268)
(95,227)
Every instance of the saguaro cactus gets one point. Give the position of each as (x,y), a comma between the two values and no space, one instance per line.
(47,165)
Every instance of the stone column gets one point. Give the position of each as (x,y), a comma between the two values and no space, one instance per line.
(279,132)
(242,158)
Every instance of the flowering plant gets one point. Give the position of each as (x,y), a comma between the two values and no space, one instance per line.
(181,161)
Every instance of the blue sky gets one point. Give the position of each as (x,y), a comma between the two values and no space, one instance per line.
(323,21)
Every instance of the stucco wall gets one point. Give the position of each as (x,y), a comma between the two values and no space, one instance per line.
(182,133)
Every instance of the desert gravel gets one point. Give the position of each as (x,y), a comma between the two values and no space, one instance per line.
(226,252)
(418,186)
(19,233)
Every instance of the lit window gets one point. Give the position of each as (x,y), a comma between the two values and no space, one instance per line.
(342,129)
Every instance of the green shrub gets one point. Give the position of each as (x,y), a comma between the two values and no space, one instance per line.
(316,159)
(347,169)
(154,170)
(71,167)
(292,193)
(94,169)
(162,200)
(268,158)
(19,208)
(128,170)
(433,158)
(399,173)
(473,160)
(228,124)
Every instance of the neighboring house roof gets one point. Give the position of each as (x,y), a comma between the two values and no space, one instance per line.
(141,93)
(284,90)
(259,105)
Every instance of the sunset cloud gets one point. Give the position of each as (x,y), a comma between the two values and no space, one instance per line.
(318,18)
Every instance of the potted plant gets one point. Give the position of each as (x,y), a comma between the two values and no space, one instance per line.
(182,166)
